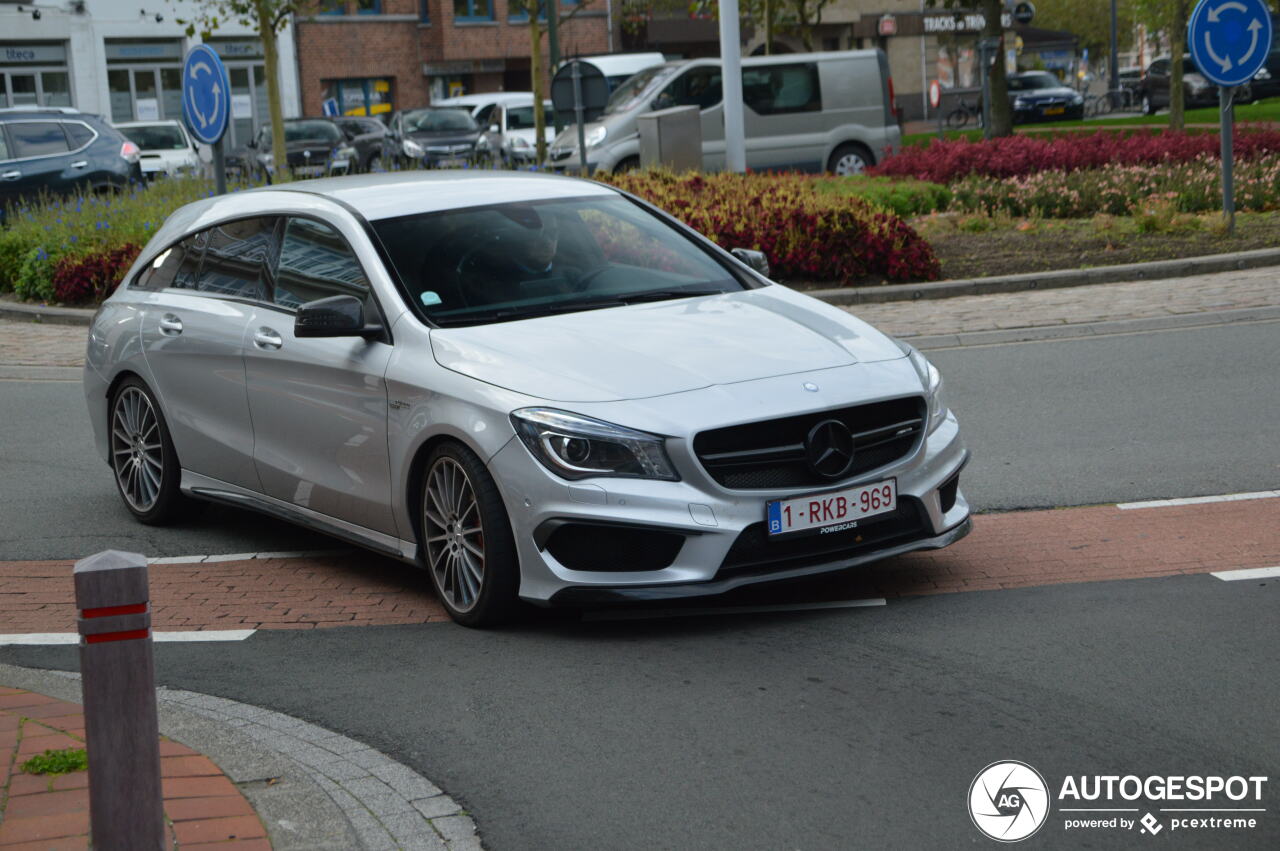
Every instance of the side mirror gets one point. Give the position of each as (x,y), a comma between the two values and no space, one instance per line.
(494,128)
(755,259)
(335,316)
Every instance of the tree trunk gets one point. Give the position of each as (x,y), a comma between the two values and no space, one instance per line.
(768,27)
(535,70)
(1178,44)
(1001,114)
(271,66)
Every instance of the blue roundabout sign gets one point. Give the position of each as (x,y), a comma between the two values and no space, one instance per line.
(206,94)
(1230,39)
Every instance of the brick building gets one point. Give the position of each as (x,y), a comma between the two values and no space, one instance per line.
(375,56)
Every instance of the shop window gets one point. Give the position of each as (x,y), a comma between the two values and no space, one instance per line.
(473,10)
(57,88)
(782,89)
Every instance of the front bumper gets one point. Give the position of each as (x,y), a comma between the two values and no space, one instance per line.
(710,519)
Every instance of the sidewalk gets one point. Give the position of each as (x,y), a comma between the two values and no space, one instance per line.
(202,807)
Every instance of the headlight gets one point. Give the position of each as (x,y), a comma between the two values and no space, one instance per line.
(1019,103)
(518,142)
(413,149)
(595,136)
(1077,99)
(932,380)
(577,447)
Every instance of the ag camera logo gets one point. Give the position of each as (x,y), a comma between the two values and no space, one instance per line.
(1008,801)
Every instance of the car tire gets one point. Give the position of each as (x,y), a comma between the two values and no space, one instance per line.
(466,543)
(143,461)
(849,159)
(1148,106)
(627,164)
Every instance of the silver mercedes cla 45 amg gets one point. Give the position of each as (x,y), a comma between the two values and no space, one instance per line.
(533,387)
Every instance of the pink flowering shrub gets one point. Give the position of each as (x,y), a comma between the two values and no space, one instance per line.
(1027,155)
(807,235)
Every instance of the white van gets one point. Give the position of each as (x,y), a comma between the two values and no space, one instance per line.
(620,67)
(804,112)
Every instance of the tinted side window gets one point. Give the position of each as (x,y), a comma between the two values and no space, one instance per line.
(4,147)
(780,89)
(78,134)
(174,267)
(237,257)
(37,138)
(698,87)
(316,262)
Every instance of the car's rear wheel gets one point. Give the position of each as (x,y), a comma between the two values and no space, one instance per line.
(467,546)
(849,159)
(1148,105)
(142,456)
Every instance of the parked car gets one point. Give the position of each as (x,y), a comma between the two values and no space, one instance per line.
(166,149)
(804,111)
(617,68)
(510,138)
(314,147)
(58,151)
(1266,83)
(1153,92)
(366,134)
(1040,96)
(431,137)
(481,106)
(532,387)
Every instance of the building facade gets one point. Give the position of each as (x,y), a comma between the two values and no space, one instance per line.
(115,59)
(365,57)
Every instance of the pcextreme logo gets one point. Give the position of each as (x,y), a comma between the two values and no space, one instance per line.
(1008,801)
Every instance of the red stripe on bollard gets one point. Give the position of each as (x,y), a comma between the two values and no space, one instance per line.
(108,611)
(116,636)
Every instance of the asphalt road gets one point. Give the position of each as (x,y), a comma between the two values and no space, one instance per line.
(859,728)
(1101,419)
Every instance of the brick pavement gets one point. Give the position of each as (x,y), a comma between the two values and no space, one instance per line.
(203,809)
(36,344)
(1009,550)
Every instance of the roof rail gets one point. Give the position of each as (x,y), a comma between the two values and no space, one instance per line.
(64,110)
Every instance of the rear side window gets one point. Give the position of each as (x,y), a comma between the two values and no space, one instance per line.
(316,262)
(237,257)
(176,266)
(78,135)
(782,89)
(37,138)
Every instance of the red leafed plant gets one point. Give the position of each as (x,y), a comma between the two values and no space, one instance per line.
(1022,155)
(806,235)
(90,278)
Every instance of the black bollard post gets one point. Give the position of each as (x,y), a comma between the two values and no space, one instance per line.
(117,669)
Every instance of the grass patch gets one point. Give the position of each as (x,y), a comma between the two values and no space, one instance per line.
(905,197)
(64,761)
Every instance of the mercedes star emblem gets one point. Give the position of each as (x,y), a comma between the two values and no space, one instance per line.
(829,449)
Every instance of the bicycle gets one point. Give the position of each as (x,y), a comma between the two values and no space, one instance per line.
(959,117)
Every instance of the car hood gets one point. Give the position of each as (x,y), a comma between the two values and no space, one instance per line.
(1044,94)
(647,350)
(451,137)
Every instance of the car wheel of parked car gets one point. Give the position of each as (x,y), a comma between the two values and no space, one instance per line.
(850,158)
(467,545)
(627,164)
(1244,94)
(142,456)
(1148,108)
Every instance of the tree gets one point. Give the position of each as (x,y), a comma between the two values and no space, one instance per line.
(268,18)
(993,28)
(1169,17)
(537,12)
(1090,21)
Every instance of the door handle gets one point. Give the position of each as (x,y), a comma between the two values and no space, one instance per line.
(11,175)
(265,338)
(170,325)
(79,163)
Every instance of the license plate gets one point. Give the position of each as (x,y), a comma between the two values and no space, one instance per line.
(1055,110)
(833,511)
(451,162)
(337,165)
(309,170)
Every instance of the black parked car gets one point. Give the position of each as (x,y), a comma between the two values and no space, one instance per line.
(1153,93)
(1040,96)
(433,137)
(366,135)
(58,150)
(315,147)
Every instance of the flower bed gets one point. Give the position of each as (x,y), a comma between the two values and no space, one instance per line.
(807,235)
(1027,155)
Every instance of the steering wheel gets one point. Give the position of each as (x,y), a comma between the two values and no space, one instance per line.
(590,275)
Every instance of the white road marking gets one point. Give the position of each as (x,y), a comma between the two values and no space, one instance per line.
(48,638)
(1198,500)
(229,557)
(644,614)
(176,560)
(1248,573)
(213,559)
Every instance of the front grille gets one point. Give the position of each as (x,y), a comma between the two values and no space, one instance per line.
(770,454)
(754,553)
(602,547)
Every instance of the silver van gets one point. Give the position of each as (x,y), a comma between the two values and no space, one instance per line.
(804,112)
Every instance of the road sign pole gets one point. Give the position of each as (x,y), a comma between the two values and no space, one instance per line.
(219,169)
(1228,197)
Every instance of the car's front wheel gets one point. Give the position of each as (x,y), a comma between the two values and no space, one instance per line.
(142,456)
(467,546)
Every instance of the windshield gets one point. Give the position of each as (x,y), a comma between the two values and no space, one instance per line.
(638,88)
(438,121)
(521,117)
(156,137)
(1027,82)
(521,260)
(306,131)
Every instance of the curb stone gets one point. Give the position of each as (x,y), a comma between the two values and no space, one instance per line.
(1060,279)
(314,789)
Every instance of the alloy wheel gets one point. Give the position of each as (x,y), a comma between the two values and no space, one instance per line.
(137,451)
(454,534)
(850,164)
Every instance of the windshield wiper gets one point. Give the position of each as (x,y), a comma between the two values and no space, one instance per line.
(502,313)
(663,295)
